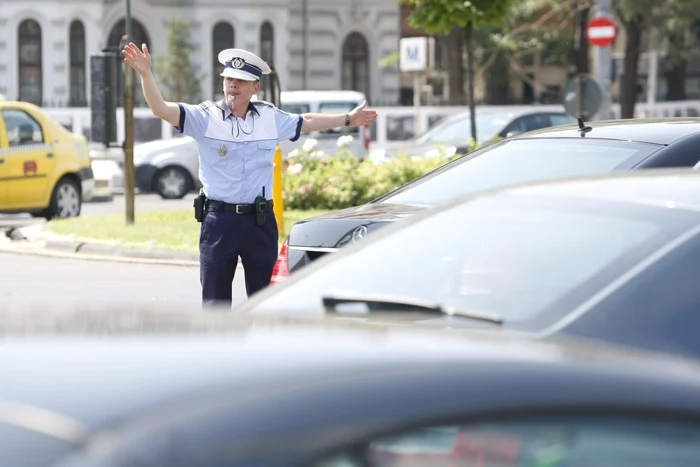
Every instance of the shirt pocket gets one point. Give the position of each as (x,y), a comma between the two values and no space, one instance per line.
(266,153)
(219,153)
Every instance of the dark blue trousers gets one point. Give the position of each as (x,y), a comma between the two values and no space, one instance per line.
(225,236)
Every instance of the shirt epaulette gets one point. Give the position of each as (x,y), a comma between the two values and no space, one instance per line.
(206,104)
(269,104)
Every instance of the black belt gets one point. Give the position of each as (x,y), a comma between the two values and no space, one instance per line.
(237,208)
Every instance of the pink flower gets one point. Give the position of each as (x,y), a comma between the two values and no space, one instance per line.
(325,189)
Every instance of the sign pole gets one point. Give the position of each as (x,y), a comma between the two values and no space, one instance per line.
(601,34)
(129,183)
(417,130)
(414,58)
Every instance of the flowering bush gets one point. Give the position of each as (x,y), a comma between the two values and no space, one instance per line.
(316,180)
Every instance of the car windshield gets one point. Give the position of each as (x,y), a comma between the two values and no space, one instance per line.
(519,161)
(513,256)
(487,127)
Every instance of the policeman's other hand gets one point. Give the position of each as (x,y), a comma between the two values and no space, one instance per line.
(137,59)
(361,116)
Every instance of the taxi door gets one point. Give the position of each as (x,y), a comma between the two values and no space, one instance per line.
(28,159)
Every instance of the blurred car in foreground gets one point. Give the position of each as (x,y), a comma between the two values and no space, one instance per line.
(168,389)
(452,135)
(612,146)
(613,257)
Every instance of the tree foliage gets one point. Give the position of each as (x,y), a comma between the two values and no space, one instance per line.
(441,16)
(179,79)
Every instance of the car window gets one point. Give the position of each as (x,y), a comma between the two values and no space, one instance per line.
(338,108)
(536,122)
(632,314)
(21,445)
(452,131)
(591,441)
(519,161)
(22,128)
(528,259)
(295,108)
(560,119)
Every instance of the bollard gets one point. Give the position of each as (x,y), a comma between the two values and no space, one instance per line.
(278,189)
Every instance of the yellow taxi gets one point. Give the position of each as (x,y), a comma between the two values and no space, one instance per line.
(45,169)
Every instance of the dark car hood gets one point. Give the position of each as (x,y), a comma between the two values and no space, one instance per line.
(336,229)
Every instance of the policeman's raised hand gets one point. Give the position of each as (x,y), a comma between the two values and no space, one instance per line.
(360,116)
(137,59)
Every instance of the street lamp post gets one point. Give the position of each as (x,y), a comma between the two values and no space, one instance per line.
(128,125)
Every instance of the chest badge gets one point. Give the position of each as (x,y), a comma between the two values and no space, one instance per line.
(223,150)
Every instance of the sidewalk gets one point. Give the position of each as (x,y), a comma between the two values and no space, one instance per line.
(35,240)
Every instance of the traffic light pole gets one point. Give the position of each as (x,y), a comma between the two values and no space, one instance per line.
(129,184)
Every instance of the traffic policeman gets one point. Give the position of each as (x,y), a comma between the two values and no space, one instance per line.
(236,140)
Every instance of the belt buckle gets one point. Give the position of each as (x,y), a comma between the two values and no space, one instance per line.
(239,209)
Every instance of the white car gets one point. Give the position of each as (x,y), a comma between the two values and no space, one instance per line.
(169,167)
(328,102)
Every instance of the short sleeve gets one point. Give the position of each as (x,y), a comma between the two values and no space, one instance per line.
(288,125)
(193,120)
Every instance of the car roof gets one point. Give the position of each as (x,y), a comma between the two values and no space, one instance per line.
(510,111)
(134,360)
(668,187)
(326,96)
(649,130)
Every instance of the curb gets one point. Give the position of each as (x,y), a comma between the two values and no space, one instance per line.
(38,242)
(67,250)
(85,248)
(35,241)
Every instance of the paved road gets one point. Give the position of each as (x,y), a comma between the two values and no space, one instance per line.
(64,284)
(142,203)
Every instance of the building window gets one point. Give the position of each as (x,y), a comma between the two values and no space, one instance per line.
(77,65)
(356,64)
(267,43)
(30,73)
(222,38)
(139,37)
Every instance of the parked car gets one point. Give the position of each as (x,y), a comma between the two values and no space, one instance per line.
(613,258)
(169,167)
(558,152)
(44,169)
(170,389)
(108,175)
(452,135)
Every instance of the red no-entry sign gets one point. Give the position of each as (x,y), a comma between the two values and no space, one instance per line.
(601,32)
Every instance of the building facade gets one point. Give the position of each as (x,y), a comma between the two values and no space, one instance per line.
(45,46)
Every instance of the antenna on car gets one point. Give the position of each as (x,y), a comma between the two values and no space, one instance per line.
(583,129)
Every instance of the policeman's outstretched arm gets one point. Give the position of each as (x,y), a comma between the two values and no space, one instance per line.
(140,60)
(360,116)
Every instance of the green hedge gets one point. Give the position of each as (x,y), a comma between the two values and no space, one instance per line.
(315,180)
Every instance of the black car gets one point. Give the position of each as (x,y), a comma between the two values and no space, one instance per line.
(206,390)
(564,151)
(608,257)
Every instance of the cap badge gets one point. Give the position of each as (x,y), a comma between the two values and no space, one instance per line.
(237,63)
